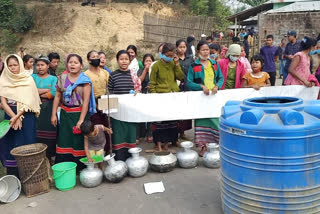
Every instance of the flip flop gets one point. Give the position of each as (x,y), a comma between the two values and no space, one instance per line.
(4,128)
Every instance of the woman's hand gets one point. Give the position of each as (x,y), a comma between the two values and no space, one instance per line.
(136,92)
(176,60)
(13,120)
(205,90)
(54,120)
(256,87)
(307,84)
(17,125)
(79,124)
(215,90)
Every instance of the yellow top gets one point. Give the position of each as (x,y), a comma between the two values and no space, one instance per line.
(209,76)
(99,81)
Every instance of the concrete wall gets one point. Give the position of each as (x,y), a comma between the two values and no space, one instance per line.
(278,24)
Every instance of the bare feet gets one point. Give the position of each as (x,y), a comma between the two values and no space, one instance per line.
(203,150)
(166,146)
(159,146)
(150,140)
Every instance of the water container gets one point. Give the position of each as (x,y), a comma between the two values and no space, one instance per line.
(270,156)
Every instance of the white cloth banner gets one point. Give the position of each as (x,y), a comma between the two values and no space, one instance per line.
(195,105)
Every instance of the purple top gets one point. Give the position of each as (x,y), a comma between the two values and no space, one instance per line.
(76,97)
(269,53)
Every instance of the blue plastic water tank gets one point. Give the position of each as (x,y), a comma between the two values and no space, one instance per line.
(270,156)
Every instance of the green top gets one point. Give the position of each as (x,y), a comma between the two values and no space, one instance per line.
(140,65)
(46,83)
(163,77)
(231,78)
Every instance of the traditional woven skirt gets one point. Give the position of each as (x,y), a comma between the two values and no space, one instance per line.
(16,138)
(47,133)
(206,131)
(184,125)
(144,130)
(166,131)
(70,146)
(123,138)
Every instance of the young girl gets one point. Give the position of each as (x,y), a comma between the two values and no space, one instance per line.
(94,140)
(103,59)
(98,76)
(21,103)
(245,60)
(135,64)
(144,129)
(257,78)
(28,63)
(163,78)
(46,84)
(299,70)
(122,81)
(75,93)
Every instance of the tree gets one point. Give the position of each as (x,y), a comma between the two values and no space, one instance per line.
(253,3)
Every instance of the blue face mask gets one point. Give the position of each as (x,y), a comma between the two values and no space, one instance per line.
(167,59)
(160,55)
(213,56)
(233,58)
(314,52)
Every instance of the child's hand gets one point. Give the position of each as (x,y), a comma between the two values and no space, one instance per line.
(109,131)
(256,87)
(90,160)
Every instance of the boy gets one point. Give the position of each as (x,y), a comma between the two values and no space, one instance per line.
(270,54)
(94,139)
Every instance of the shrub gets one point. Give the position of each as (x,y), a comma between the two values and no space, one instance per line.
(23,21)
(8,40)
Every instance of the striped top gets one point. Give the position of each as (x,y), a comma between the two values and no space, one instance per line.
(120,82)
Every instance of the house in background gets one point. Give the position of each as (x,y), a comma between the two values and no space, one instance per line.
(277,17)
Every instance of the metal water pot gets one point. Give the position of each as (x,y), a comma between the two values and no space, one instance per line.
(211,158)
(116,170)
(90,176)
(187,158)
(163,161)
(137,165)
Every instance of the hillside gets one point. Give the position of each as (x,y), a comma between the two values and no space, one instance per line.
(71,28)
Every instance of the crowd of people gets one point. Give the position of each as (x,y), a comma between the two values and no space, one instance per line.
(31,93)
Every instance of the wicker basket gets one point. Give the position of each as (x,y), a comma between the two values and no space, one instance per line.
(33,170)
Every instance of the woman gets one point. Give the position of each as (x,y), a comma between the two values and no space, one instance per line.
(74,91)
(46,84)
(205,75)
(135,65)
(103,59)
(145,129)
(299,70)
(163,79)
(232,68)
(98,76)
(184,62)
(316,60)
(21,103)
(28,63)
(123,81)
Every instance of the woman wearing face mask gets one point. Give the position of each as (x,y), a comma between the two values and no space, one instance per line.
(99,77)
(205,75)
(232,68)
(123,81)
(21,103)
(46,84)
(215,51)
(299,70)
(135,64)
(163,79)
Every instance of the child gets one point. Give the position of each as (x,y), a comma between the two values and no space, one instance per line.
(94,139)
(257,78)
(215,51)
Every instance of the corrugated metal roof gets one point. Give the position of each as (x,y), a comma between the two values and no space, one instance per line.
(283,1)
(301,6)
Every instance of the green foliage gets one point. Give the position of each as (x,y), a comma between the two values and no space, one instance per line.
(8,40)
(23,21)
(214,8)
(253,3)
(13,19)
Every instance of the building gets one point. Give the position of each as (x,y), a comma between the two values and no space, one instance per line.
(277,17)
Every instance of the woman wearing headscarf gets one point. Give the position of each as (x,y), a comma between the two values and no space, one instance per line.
(232,68)
(21,103)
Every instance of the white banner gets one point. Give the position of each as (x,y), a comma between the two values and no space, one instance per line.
(195,105)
